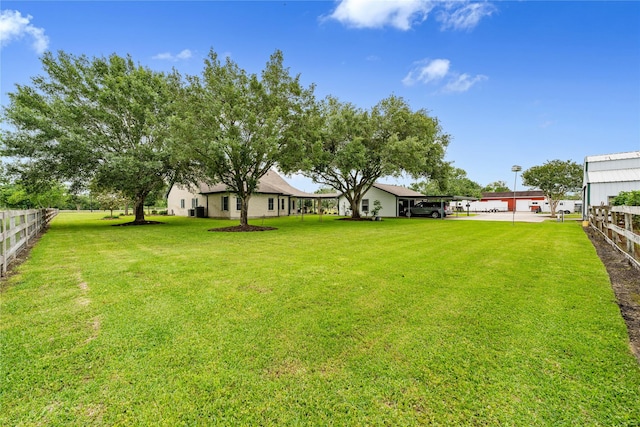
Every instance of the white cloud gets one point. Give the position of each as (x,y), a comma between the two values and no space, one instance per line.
(167,56)
(463,82)
(401,14)
(463,15)
(427,71)
(14,26)
(433,71)
(185,54)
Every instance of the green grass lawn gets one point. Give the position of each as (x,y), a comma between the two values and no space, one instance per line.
(400,322)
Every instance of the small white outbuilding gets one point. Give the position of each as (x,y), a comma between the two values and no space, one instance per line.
(394,199)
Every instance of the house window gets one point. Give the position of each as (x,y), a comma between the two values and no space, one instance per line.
(238,204)
(365,205)
(181,203)
(270,203)
(194,203)
(282,204)
(225,203)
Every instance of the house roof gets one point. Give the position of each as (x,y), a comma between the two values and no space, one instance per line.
(511,194)
(270,183)
(397,190)
(450,198)
(619,175)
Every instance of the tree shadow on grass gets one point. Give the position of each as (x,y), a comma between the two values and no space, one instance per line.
(242,228)
(124,224)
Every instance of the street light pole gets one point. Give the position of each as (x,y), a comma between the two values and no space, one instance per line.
(516,169)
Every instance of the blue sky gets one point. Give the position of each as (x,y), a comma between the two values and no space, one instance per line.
(512,82)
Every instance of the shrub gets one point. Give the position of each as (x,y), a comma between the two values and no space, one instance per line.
(627,198)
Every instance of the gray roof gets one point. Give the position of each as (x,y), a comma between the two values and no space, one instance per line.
(397,190)
(506,194)
(615,156)
(620,175)
(271,183)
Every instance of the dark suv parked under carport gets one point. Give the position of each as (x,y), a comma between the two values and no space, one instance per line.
(432,209)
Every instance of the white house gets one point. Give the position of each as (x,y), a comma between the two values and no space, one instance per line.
(274,197)
(394,199)
(606,175)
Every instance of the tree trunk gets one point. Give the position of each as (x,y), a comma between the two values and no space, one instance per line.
(244,211)
(553,205)
(355,208)
(139,210)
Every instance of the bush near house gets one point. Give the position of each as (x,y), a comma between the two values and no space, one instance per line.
(316,323)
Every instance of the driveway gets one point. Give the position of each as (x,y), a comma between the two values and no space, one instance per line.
(501,216)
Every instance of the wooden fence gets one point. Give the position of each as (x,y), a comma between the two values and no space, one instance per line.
(18,229)
(620,225)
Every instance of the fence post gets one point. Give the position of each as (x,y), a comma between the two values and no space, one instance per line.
(12,225)
(28,229)
(628,225)
(3,270)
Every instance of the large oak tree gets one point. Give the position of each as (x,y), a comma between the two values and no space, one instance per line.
(555,178)
(99,120)
(348,148)
(235,126)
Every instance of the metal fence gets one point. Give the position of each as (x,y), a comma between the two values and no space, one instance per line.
(620,225)
(18,229)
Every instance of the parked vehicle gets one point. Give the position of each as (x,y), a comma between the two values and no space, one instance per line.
(431,209)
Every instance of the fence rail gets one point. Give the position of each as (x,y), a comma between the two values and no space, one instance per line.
(620,225)
(18,229)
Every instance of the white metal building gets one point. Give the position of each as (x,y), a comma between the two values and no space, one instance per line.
(606,175)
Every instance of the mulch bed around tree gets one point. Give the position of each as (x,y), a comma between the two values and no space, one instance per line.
(625,281)
(138,223)
(243,228)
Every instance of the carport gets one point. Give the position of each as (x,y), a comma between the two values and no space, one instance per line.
(448,199)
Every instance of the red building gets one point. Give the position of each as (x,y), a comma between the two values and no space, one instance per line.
(524,200)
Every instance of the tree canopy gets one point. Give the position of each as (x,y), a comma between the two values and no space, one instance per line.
(496,187)
(100,120)
(454,183)
(236,126)
(348,148)
(555,178)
